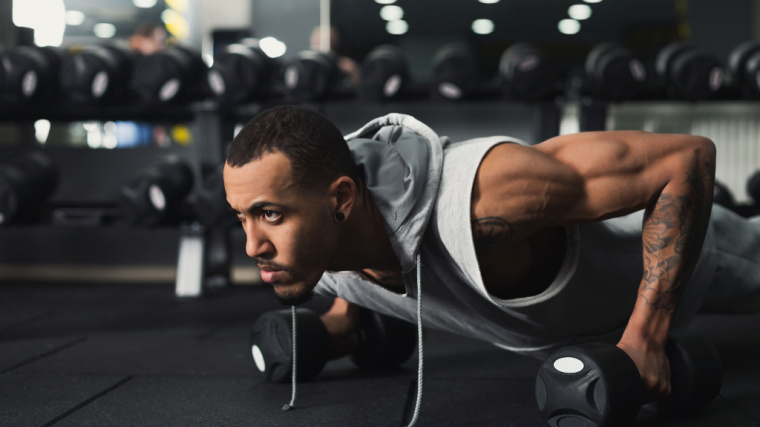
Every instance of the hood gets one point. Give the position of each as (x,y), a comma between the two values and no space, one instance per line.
(400,159)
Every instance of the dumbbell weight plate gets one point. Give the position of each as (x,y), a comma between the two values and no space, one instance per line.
(384,73)
(26,182)
(526,72)
(697,74)
(696,375)
(454,72)
(584,385)
(614,72)
(664,60)
(593,56)
(238,74)
(310,76)
(272,341)
(752,73)
(384,342)
(753,187)
(738,58)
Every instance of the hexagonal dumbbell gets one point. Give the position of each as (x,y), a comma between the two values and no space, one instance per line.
(599,385)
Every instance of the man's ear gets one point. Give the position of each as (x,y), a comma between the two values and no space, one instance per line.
(344,195)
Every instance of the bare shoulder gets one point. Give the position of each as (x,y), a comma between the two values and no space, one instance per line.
(517,186)
(578,178)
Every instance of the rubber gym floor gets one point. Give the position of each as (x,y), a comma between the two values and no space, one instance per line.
(135,355)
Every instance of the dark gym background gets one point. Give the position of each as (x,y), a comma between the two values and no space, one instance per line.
(92,330)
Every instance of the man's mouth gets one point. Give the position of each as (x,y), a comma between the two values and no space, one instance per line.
(269,275)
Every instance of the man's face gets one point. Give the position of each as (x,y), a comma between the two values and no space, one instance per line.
(289,231)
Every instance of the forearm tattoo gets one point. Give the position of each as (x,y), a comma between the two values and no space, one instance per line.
(491,231)
(674,230)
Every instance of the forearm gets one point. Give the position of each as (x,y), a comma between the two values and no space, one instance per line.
(673,233)
(341,321)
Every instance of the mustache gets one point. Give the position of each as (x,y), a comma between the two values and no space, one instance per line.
(268,265)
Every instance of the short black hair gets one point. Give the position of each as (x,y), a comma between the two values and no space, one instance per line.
(317,151)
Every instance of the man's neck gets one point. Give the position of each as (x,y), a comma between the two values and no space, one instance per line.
(364,243)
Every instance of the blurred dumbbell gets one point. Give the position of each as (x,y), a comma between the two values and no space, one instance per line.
(614,72)
(455,72)
(172,74)
(211,201)
(526,72)
(598,384)
(29,74)
(96,74)
(310,75)
(384,342)
(753,187)
(689,72)
(722,196)
(384,74)
(744,65)
(26,182)
(240,73)
(156,193)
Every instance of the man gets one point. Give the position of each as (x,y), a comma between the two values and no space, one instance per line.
(148,39)
(528,247)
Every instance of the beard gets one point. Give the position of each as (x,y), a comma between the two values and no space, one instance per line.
(295,296)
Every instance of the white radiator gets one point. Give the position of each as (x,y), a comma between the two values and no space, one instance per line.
(733,126)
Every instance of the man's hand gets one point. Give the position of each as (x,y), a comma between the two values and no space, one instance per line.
(653,366)
(341,322)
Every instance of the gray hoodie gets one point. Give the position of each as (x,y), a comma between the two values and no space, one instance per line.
(422,186)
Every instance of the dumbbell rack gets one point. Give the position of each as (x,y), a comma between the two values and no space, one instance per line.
(83,200)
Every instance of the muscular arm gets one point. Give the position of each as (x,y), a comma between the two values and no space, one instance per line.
(585,177)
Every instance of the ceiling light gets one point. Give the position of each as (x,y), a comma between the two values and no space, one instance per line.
(169,16)
(593,1)
(104,30)
(397,27)
(579,11)
(74,17)
(391,13)
(569,26)
(145,4)
(272,47)
(385,1)
(489,1)
(482,26)
(49,25)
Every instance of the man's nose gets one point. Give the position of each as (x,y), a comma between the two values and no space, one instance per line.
(257,244)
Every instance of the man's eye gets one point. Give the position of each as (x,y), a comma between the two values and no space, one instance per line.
(271,215)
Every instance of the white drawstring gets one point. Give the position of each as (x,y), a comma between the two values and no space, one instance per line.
(419,343)
(418,402)
(292,404)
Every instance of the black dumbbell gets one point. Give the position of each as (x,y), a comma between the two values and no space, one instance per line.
(723,196)
(689,72)
(744,65)
(211,201)
(383,342)
(240,73)
(155,193)
(598,384)
(310,75)
(455,72)
(526,72)
(753,187)
(172,74)
(614,72)
(96,74)
(26,182)
(384,74)
(29,74)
